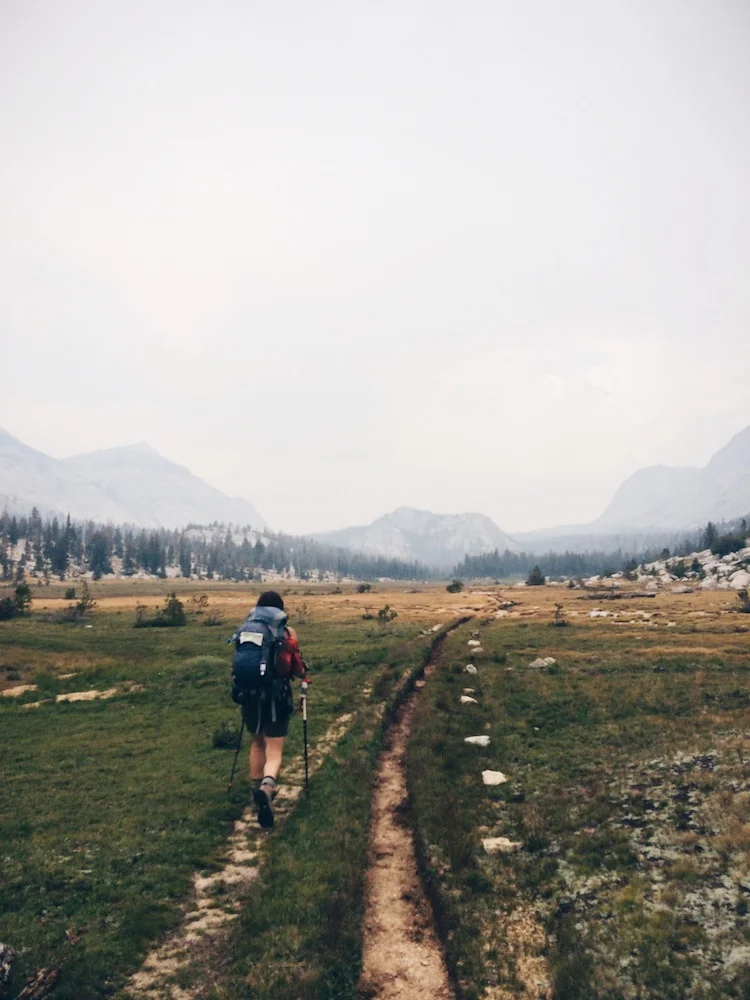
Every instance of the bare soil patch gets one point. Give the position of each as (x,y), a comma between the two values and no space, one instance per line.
(217,897)
(403,958)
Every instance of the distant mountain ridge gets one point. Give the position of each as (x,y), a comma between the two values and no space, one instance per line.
(661,499)
(433,539)
(662,496)
(133,484)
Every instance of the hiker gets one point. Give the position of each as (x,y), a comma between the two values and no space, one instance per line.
(267,657)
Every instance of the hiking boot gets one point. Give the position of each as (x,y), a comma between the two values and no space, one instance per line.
(263,798)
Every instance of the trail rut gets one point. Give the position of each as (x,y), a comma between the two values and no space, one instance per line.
(403,958)
(217,898)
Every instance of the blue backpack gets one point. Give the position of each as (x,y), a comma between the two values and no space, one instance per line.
(256,645)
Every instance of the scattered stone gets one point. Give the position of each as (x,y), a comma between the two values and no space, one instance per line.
(470,668)
(543,661)
(500,845)
(478,741)
(493,778)
(468,690)
(66,677)
(598,613)
(16,692)
(682,589)
(468,700)
(86,695)
(7,957)
(39,987)
(473,642)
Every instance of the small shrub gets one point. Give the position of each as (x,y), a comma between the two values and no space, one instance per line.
(170,616)
(679,570)
(226,736)
(387,614)
(364,588)
(733,541)
(70,594)
(19,604)
(85,602)
(559,620)
(535,578)
(455,586)
(7,608)
(199,602)
(213,618)
(744,598)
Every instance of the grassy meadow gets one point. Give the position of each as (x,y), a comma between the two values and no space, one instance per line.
(109,806)
(627,804)
(627,793)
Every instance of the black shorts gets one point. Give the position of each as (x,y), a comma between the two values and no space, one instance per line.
(269,716)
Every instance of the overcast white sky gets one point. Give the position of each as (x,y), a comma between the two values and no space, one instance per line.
(339,257)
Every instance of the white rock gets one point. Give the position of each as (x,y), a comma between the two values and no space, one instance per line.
(478,741)
(597,613)
(538,662)
(651,585)
(493,778)
(470,668)
(739,580)
(550,661)
(473,642)
(682,589)
(500,845)
(16,692)
(671,624)
(710,583)
(468,690)
(468,700)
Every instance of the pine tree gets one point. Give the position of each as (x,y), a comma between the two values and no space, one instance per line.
(99,555)
(710,535)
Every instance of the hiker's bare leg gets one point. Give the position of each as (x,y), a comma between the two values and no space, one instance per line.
(258,757)
(273,750)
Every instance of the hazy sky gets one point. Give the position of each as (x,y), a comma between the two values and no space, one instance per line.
(339,257)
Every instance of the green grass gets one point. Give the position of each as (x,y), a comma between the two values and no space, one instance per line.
(108,807)
(300,933)
(632,858)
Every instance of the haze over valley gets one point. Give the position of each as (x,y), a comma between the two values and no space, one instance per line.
(135,485)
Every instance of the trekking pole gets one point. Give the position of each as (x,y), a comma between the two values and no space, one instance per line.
(236,753)
(304,732)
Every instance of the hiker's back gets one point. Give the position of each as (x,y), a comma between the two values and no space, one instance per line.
(257,645)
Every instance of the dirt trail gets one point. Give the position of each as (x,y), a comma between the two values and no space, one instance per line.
(403,958)
(217,898)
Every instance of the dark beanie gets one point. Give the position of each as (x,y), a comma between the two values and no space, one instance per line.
(270,599)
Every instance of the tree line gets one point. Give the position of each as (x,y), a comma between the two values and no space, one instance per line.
(722,538)
(52,547)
